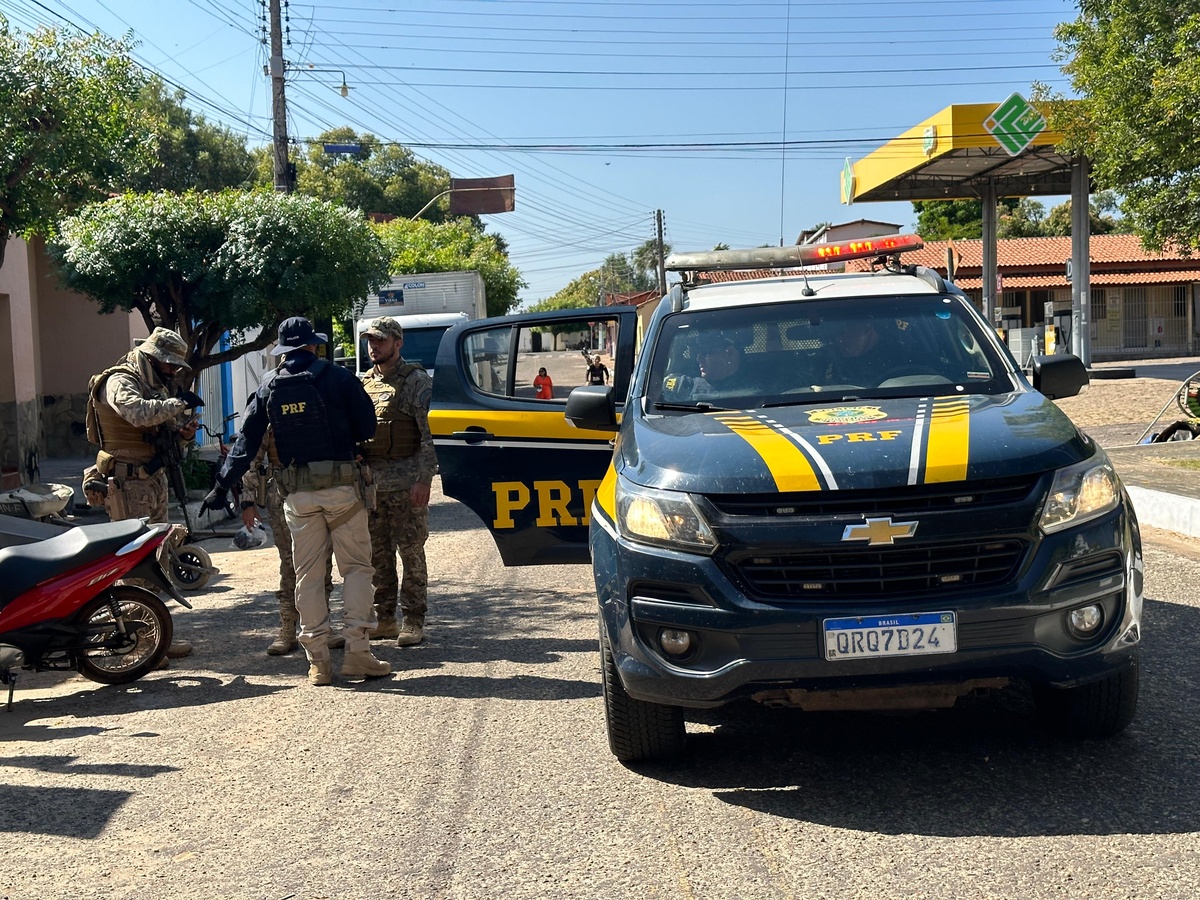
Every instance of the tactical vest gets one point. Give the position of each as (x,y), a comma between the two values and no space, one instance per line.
(109,430)
(298,417)
(397,435)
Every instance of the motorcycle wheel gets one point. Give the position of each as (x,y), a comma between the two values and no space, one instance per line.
(190,567)
(132,654)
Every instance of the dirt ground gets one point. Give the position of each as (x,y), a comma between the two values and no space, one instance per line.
(1117,411)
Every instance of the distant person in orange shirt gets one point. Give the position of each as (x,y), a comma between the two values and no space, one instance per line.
(542,385)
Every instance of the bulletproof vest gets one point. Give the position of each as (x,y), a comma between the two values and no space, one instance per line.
(298,417)
(396,434)
(109,430)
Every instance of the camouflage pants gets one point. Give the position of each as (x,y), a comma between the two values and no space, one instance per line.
(144,497)
(286,595)
(396,527)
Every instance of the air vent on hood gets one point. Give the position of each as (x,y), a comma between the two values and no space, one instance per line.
(974,495)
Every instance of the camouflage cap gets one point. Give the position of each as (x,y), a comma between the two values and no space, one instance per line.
(167,347)
(385,327)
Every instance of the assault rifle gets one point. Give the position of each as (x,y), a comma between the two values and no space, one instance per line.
(169,454)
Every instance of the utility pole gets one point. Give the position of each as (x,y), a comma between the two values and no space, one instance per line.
(662,262)
(283,176)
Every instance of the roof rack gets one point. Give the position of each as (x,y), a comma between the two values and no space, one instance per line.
(792,257)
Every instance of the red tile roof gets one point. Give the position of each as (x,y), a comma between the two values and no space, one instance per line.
(1049,282)
(1040,251)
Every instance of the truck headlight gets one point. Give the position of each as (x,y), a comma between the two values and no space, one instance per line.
(666,518)
(1080,493)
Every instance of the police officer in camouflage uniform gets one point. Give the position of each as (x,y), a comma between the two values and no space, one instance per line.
(318,414)
(259,487)
(128,404)
(403,460)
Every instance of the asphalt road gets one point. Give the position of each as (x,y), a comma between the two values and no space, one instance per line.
(481,769)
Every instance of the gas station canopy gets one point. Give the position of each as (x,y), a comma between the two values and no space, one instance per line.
(985,151)
(955,153)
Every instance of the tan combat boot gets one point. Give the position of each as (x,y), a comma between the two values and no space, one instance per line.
(361,664)
(320,672)
(412,632)
(286,642)
(386,628)
(179,649)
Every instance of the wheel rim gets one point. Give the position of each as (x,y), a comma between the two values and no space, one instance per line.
(192,568)
(129,650)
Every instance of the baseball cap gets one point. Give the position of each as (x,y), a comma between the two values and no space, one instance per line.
(295,333)
(385,327)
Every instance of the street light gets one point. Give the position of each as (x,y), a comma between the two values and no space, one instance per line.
(344,90)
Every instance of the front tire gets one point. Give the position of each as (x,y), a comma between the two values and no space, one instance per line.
(1099,709)
(124,656)
(637,730)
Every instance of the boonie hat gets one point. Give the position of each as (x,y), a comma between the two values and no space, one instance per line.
(167,347)
(295,333)
(385,327)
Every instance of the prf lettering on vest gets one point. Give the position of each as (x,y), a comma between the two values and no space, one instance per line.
(855,437)
(553,497)
(290,408)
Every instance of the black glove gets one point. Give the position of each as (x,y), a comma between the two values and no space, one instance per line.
(192,399)
(215,499)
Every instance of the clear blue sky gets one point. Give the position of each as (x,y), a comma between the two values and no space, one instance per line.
(550,91)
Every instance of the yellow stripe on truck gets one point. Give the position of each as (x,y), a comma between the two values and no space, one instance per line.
(788,466)
(549,425)
(948,443)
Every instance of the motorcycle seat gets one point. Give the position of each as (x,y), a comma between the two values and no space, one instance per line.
(25,566)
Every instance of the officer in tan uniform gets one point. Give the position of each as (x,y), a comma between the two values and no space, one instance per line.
(403,460)
(259,488)
(128,404)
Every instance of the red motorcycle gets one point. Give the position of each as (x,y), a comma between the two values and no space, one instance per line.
(89,599)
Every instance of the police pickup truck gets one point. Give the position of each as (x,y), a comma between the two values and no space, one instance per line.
(827,490)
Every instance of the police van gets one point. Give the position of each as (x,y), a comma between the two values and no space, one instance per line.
(806,488)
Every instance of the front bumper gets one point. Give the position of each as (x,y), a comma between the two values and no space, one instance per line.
(746,646)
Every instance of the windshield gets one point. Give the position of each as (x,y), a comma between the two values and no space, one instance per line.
(814,351)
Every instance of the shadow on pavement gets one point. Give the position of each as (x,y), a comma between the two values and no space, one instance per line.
(65,812)
(981,768)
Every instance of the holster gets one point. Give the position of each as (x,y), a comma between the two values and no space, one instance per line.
(366,486)
(117,508)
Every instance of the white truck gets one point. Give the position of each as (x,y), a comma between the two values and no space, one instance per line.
(426,306)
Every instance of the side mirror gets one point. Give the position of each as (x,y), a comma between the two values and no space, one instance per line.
(1059,376)
(592,407)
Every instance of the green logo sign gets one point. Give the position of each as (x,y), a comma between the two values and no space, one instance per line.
(848,182)
(1014,124)
(929,140)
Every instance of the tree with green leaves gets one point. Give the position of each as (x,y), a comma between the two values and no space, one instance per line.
(70,128)
(207,263)
(1102,213)
(944,220)
(379,178)
(189,152)
(1135,66)
(419,246)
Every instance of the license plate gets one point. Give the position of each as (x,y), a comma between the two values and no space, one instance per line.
(899,634)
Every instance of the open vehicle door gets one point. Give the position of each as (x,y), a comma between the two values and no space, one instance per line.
(526,471)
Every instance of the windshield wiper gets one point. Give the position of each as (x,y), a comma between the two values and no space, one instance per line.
(701,406)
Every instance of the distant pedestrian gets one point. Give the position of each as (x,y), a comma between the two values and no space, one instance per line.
(542,385)
(597,371)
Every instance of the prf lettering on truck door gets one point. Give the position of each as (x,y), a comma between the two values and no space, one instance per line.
(553,498)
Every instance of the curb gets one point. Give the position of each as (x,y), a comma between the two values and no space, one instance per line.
(1171,512)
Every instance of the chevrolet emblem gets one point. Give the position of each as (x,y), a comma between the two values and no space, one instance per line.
(879,531)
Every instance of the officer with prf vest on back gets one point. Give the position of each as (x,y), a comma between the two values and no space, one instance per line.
(319,415)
